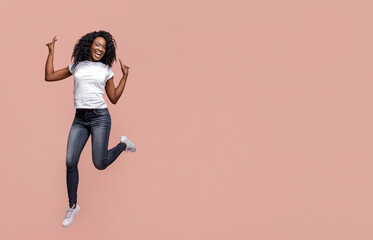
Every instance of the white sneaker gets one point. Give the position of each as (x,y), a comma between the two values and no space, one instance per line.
(70,214)
(130,145)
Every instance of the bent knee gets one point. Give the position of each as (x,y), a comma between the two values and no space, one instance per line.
(99,166)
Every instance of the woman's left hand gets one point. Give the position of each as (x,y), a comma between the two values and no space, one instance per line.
(124,69)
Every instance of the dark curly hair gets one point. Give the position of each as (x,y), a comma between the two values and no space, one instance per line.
(82,49)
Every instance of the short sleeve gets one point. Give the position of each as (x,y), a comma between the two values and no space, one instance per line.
(70,66)
(110,74)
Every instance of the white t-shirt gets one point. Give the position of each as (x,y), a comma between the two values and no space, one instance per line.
(89,84)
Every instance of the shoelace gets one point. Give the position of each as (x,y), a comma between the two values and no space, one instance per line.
(69,213)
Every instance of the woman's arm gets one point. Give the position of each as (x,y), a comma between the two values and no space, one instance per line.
(50,74)
(113,92)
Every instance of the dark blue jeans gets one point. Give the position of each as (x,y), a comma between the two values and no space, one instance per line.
(95,122)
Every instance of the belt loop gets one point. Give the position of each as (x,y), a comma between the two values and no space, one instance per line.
(94,110)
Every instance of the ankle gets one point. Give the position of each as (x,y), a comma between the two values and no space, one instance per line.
(124,144)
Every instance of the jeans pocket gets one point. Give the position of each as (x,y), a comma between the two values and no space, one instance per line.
(79,115)
(101,112)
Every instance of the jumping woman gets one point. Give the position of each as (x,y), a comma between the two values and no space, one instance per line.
(92,58)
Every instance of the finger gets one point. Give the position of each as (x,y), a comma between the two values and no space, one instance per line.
(120,62)
(124,65)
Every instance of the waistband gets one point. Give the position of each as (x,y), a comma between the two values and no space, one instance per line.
(94,110)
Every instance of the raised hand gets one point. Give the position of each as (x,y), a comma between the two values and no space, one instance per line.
(124,69)
(51,44)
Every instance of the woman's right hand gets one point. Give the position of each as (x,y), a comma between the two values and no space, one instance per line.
(51,44)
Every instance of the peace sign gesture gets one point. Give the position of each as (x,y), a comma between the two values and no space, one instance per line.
(124,69)
(51,44)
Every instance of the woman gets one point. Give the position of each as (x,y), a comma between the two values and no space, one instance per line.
(93,56)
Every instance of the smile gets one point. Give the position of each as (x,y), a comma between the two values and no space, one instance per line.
(98,54)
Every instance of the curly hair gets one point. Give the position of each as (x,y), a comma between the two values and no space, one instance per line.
(82,49)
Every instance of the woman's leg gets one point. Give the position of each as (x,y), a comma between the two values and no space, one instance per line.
(78,136)
(100,129)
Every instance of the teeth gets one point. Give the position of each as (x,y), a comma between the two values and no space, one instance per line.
(98,53)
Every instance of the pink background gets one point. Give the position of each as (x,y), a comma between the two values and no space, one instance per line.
(252,120)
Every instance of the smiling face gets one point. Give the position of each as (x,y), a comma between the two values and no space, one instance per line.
(98,49)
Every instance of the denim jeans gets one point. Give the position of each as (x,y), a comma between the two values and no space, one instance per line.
(86,122)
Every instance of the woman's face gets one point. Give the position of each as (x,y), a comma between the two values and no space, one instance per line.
(98,49)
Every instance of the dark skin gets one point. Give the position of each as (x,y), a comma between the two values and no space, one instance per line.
(98,49)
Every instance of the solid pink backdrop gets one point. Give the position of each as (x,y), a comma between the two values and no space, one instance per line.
(252,120)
